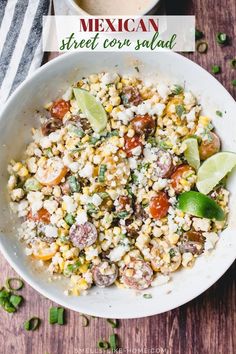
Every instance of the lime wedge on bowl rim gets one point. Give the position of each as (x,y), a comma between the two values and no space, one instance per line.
(92,109)
(200,205)
(214,169)
(192,153)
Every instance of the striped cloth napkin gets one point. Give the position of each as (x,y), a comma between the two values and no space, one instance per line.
(20,41)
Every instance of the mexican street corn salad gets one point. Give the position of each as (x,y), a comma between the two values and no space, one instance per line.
(112,190)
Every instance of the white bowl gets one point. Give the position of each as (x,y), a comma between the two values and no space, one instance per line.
(49,82)
(77,10)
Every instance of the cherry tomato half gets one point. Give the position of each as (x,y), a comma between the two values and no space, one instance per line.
(178,175)
(143,124)
(159,205)
(131,143)
(41,215)
(209,147)
(60,108)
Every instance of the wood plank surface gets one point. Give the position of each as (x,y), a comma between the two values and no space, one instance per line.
(206,325)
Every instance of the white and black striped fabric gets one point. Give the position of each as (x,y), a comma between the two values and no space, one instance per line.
(20,41)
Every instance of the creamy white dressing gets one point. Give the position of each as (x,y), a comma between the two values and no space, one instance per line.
(115,7)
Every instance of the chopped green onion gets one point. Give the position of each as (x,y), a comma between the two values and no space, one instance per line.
(233,63)
(85,321)
(113,342)
(48,152)
(31,184)
(172,253)
(219,113)
(72,267)
(113,323)
(222,38)
(122,214)
(147,296)
(198,34)
(91,209)
(102,171)
(202,47)
(177,90)
(74,184)
(32,324)
(112,133)
(17,281)
(93,140)
(103,195)
(76,131)
(179,110)
(60,316)
(102,344)
(15,300)
(215,69)
(69,219)
(53,315)
(233,82)
(9,307)
(151,140)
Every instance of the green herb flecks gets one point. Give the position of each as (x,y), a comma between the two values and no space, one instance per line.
(122,214)
(180,110)
(152,141)
(177,90)
(69,219)
(147,296)
(91,208)
(219,113)
(74,184)
(102,171)
(172,253)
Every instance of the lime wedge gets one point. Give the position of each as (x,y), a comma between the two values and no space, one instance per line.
(198,204)
(192,153)
(92,109)
(214,169)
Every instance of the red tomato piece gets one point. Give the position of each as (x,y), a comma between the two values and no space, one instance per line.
(60,108)
(131,143)
(178,175)
(41,215)
(159,205)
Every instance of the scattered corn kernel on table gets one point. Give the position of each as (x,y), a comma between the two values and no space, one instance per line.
(206,324)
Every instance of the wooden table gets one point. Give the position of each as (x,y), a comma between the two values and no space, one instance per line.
(206,325)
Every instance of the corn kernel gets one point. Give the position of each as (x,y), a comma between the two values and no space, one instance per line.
(17,166)
(83,268)
(204,120)
(23,172)
(85,139)
(109,108)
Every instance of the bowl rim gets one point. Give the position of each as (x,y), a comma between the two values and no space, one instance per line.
(78,8)
(33,282)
